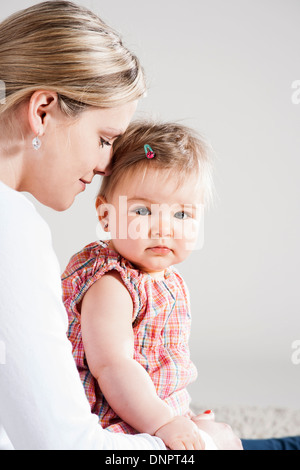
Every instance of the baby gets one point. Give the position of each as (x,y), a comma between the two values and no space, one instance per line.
(128,307)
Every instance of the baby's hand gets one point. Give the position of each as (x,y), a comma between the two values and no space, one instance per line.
(181,434)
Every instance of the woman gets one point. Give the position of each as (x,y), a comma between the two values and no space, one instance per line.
(71,89)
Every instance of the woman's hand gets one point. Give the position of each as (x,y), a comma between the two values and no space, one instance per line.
(181,433)
(221,433)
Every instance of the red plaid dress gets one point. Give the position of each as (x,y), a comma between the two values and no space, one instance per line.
(160,321)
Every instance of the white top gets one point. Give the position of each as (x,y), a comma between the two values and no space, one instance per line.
(42,402)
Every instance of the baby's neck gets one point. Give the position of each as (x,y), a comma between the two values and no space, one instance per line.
(158,276)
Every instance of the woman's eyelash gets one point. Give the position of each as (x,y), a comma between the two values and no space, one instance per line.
(104,142)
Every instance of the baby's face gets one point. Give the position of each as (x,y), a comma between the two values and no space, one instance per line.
(153,222)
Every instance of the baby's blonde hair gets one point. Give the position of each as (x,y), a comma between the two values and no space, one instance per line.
(65,48)
(178,149)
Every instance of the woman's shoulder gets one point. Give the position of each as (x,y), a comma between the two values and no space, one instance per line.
(19,217)
(11,201)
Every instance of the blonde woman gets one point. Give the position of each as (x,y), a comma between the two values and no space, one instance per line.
(70,88)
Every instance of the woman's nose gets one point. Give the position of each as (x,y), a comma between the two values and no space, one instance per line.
(104,166)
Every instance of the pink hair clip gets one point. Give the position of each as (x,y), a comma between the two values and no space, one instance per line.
(148,151)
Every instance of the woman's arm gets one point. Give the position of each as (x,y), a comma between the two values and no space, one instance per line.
(106,321)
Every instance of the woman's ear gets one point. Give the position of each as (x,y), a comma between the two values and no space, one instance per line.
(102,212)
(42,105)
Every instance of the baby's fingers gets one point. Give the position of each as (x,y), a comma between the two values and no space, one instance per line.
(200,444)
(176,445)
(195,443)
(190,445)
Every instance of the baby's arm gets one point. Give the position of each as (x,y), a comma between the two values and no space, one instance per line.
(106,318)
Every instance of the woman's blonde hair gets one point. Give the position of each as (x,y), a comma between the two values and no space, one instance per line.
(65,48)
(178,149)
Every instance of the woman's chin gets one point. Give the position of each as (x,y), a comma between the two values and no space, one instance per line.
(59,204)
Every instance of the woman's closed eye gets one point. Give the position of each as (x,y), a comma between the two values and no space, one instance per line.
(104,142)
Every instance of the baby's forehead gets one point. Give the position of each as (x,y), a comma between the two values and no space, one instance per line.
(161,185)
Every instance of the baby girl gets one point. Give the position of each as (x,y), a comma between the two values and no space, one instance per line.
(128,306)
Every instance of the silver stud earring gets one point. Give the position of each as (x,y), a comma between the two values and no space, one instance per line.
(36,143)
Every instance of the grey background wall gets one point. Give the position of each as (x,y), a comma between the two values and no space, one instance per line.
(226,67)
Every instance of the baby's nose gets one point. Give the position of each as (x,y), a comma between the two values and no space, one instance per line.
(162,226)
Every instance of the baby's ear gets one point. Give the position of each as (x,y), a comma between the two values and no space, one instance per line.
(102,211)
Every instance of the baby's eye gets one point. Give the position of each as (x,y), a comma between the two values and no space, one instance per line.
(142,211)
(181,215)
(104,142)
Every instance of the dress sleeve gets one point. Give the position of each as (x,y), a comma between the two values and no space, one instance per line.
(87,267)
(42,402)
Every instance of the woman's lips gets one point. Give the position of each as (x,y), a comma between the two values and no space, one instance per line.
(84,183)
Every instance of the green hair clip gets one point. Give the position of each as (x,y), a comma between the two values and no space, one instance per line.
(148,151)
